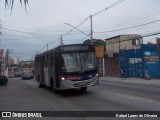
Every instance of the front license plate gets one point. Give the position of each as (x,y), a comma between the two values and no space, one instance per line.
(82,84)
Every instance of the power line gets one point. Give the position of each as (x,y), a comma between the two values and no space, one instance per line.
(114,4)
(15,30)
(18,31)
(25,45)
(142,36)
(77,29)
(47,45)
(130,27)
(28,38)
(31,33)
(42,48)
(54,41)
(76,26)
(32,29)
(151,34)
(134,20)
(82,40)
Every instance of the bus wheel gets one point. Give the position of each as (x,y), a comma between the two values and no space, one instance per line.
(83,88)
(53,88)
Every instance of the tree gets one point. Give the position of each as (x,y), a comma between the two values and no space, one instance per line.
(10,3)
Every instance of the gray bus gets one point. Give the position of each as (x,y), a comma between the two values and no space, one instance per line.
(67,66)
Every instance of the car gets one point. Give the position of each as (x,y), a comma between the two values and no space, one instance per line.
(18,74)
(27,75)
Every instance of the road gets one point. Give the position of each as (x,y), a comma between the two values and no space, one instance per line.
(24,95)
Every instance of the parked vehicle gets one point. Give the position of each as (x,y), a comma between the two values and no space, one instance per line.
(27,75)
(18,74)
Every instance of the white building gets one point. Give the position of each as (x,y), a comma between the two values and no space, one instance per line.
(16,60)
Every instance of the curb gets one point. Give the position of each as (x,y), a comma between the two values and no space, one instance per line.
(130,81)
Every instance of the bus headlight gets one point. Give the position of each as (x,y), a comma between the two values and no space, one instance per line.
(62,78)
(97,74)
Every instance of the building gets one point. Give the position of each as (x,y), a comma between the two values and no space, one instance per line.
(16,60)
(158,43)
(129,41)
(113,46)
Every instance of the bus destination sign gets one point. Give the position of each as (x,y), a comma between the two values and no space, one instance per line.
(74,48)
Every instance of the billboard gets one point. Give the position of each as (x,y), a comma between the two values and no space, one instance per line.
(152,62)
(100,51)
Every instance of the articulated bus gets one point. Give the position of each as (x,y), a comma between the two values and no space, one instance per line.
(67,66)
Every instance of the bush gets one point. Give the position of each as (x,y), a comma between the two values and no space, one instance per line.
(3,80)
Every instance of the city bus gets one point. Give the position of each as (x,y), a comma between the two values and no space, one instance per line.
(66,67)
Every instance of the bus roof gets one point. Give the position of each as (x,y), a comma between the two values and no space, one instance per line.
(58,47)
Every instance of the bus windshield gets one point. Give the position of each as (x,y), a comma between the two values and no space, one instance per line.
(77,62)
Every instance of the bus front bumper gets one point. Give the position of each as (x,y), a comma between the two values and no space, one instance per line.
(68,84)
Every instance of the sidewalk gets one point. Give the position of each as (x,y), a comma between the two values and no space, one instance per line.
(141,81)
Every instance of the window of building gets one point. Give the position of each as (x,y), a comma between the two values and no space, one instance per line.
(136,42)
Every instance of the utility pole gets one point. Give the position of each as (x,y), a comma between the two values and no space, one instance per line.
(91,31)
(61,40)
(2,53)
(47,47)
(7,57)
(0,28)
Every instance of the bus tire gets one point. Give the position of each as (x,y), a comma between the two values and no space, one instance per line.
(52,86)
(83,88)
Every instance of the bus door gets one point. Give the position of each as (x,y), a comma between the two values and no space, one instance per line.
(46,66)
(51,67)
(57,68)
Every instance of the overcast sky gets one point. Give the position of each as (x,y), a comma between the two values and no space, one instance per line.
(27,32)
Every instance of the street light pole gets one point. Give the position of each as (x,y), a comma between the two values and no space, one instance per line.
(61,42)
(0,28)
(47,47)
(91,31)
(7,57)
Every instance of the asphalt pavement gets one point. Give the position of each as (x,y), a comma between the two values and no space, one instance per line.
(141,81)
(24,95)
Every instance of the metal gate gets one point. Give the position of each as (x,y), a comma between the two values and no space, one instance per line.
(112,65)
